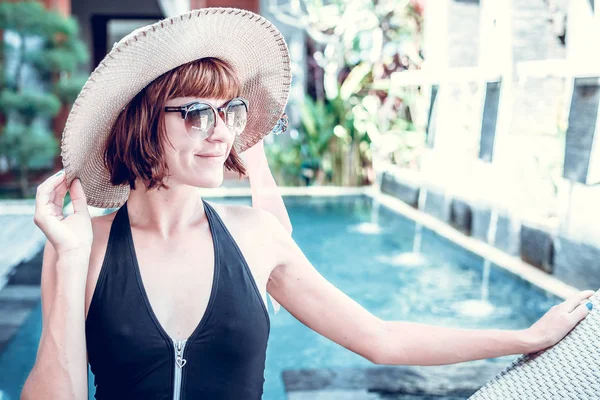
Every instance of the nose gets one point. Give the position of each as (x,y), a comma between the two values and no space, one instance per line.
(220,133)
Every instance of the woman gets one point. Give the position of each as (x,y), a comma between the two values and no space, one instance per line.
(167,295)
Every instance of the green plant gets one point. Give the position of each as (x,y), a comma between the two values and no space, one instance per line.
(318,123)
(285,163)
(339,134)
(302,159)
(30,145)
(29,104)
(46,42)
(358,44)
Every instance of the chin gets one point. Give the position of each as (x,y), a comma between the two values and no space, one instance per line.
(208,182)
(213,184)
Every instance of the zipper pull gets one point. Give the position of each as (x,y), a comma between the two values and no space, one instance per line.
(180,360)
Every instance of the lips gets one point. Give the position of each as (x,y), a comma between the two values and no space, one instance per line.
(211,155)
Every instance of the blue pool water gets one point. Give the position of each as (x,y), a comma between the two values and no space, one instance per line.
(362,250)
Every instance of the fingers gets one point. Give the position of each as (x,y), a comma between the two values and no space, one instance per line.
(45,195)
(78,197)
(580,312)
(58,198)
(46,188)
(573,301)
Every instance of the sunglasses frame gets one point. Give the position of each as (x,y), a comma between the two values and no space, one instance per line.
(184,109)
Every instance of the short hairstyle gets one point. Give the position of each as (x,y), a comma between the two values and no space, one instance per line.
(136,144)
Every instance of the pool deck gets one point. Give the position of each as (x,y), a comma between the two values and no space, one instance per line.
(21,243)
(20,239)
(19,297)
(20,266)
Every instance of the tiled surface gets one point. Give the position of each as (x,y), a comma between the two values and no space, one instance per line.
(20,295)
(20,292)
(21,243)
(20,240)
(27,273)
(14,312)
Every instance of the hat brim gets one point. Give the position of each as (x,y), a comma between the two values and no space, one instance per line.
(250,43)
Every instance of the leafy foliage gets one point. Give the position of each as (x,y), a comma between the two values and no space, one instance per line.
(28,146)
(358,45)
(29,104)
(48,43)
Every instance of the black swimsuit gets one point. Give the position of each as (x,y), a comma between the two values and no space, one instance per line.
(131,355)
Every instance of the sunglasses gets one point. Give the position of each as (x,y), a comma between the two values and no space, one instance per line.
(201,118)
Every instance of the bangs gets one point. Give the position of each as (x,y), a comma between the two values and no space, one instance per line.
(206,78)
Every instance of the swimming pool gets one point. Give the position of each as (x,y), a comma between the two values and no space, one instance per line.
(365,250)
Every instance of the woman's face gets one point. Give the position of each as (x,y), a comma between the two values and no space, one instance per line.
(191,160)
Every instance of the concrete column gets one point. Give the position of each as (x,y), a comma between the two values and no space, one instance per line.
(583,26)
(580,163)
(581,148)
(496,63)
(435,49)
(578,243)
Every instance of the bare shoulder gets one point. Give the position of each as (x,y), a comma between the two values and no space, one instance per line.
(101,227)
(251,220)
(259,234)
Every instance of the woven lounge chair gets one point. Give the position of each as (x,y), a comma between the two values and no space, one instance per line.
(568,370)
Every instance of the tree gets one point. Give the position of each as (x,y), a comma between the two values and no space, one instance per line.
(38,58)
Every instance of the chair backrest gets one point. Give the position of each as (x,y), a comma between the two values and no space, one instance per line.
(568,370)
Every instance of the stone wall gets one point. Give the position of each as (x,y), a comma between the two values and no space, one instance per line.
(540,219)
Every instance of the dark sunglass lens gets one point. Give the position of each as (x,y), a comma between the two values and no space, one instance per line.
(201,119)
(236,116)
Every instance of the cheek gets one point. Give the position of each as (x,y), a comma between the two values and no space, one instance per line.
(173,122)
(178,153)
(180,143)
(175,129)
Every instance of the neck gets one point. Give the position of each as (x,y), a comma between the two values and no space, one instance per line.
(165,211)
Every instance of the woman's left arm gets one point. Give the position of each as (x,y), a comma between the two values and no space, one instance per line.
(314,301)
(265,194)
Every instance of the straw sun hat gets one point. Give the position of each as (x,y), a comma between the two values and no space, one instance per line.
(249,42)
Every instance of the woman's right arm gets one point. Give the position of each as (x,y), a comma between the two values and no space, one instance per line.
(60,370)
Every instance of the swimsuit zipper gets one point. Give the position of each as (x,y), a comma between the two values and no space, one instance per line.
(179,345)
